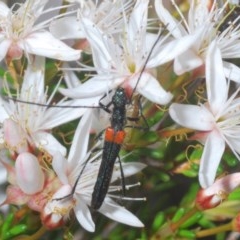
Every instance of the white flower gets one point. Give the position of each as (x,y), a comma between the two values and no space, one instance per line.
(37,120)
(107,15)
(206,23)
(68,172)
(218,119)
(120,61)
(18,33)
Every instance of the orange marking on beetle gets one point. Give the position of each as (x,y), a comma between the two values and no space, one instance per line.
(113,136)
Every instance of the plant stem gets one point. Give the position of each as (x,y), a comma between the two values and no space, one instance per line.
(35,236)
(214,231)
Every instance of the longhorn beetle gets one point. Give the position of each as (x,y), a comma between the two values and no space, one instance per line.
(114,137)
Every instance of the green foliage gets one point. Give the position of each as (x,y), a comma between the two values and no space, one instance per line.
(9,229)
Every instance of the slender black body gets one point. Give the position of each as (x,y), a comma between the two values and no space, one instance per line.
(114,137)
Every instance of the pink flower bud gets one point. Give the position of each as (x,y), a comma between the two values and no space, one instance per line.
(29,175)
(203,201)
(211,197)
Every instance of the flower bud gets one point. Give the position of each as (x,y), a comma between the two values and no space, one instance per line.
(204,201)
(29,175)
(212,196)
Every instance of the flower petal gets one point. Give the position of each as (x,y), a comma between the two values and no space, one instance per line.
(231,71)
(129,169)
(93,87)
(118,213)
(4,9)
(84,215)
(198,14)
(70,78)
(192,116)
(150,88)
(232,138)
(48,142)
(67,28)
(4,46)
(217,89)
(69,111)
(211,157)
(44,44)
(101,44)
(32,89)
(132,168)
(59,165)
(173,26)
(173,49)
(80,141)
(187,61)
(137,23)
(29,175)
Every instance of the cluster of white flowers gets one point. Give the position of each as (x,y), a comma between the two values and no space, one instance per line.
(117,37)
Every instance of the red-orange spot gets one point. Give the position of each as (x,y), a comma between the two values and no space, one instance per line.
(113,136)
(128,89)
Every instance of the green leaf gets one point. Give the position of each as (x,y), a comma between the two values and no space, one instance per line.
(178,215)
(187,234)
(158,221)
